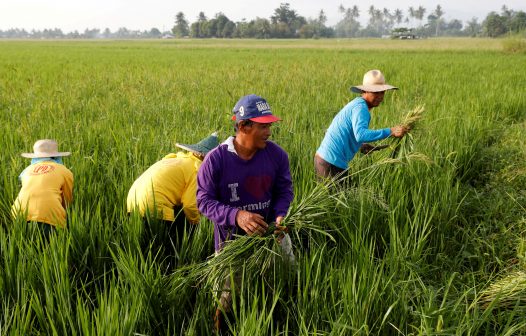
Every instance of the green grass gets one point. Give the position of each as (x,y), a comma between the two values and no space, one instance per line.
(413,244)
(516,44)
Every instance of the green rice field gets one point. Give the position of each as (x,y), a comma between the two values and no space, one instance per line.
(429,243)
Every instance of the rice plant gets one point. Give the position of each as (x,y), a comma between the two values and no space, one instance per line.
(409,244)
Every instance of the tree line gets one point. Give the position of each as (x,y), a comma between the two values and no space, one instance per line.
(95,33)
(288,23)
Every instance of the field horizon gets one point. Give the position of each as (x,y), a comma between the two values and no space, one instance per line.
(431,43)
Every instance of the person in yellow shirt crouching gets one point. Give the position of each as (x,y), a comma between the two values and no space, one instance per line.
(167,190)
(47,187)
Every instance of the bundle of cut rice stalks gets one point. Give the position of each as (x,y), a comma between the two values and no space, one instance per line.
(310,216)
(507,293)
(404,147)
(253,254)
(250,255)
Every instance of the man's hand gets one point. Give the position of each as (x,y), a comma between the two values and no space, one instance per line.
(367,148)
(399,131)
(251,223)
(280,229)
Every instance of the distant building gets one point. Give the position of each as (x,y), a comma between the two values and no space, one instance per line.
(404,34)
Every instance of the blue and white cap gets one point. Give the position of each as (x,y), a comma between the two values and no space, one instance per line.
(255,108)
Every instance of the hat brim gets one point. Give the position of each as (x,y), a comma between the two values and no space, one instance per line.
(44,155)
(192,148)
(266,119)
(372,88)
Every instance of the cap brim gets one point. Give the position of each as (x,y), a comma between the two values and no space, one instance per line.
(190,149)
(44,155)
(372,88)
(266,119)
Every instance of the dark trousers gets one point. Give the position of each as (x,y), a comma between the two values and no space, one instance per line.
(325,169)
(44,228)
(165,231)
(164,238)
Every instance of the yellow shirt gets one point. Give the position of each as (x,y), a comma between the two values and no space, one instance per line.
(166,184)
(47,189)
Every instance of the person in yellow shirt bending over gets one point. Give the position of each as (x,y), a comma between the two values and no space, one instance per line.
(47,187)
(166,188)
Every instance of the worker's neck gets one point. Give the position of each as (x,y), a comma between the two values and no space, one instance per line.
(245,148)
(369,105)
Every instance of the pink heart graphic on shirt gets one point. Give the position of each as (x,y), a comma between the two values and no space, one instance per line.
(258,186)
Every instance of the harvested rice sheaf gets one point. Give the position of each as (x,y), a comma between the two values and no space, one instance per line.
(413,117)
(403,147)
(312,214)
(506,293)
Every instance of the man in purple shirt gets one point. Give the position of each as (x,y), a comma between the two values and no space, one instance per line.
(245,183)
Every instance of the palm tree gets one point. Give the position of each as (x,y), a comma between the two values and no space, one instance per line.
(419,13)
(371,10)
(398,16)
(355,12)
(349,26)
(438,13)
(411,13)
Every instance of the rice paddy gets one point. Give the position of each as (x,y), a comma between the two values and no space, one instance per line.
(427,242)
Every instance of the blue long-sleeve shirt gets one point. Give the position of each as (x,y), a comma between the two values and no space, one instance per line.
(348,131)
(226,184)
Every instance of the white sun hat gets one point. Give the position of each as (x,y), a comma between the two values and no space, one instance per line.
(373,81)
(45,148)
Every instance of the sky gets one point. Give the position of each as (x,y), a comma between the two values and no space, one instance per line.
(70,15)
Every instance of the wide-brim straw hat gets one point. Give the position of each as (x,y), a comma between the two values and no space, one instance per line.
(373,81)
(202,147)
(45,148)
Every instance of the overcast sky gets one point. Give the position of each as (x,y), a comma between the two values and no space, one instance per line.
(78,15)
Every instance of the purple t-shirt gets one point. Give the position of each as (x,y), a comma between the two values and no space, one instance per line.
(226,183)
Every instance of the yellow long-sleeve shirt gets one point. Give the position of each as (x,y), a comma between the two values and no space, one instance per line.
(167,184)
(47,189)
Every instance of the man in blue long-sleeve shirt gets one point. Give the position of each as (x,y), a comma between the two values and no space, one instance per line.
(349,130)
